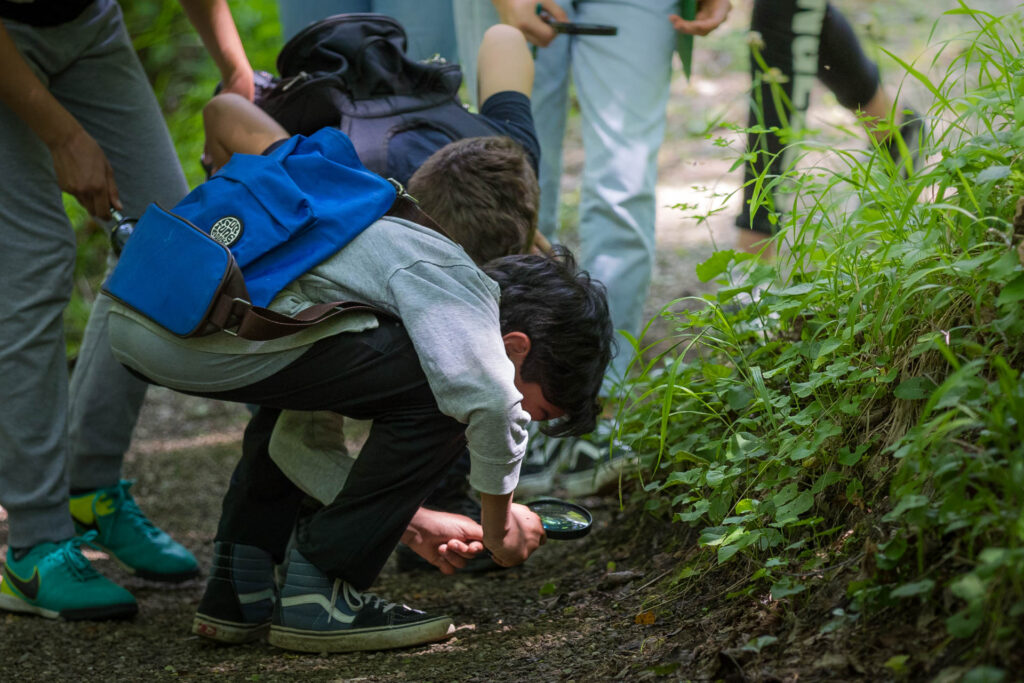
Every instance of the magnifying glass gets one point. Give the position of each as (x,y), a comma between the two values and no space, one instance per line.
(562,521)
(121,231)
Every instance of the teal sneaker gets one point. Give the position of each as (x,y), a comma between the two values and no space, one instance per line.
(318,614)
(55,580)
(138,545)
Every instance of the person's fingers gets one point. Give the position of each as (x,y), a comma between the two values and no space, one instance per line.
(539,33)
(443,561)
(113,196)
(701,26)
(694,28)
(555,10)
(456,546)
(536,30)
(471,549)
(97,204)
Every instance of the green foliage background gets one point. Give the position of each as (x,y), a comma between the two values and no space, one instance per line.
(854,414)
(183,77)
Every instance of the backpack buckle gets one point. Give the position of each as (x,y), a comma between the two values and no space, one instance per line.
(235,316)
(400,189)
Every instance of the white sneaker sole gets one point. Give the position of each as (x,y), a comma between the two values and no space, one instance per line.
(349,640)
(228,632)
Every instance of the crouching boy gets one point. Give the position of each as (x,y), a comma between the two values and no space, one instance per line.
(459,357)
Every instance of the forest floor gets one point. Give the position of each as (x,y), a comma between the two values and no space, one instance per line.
(610,606)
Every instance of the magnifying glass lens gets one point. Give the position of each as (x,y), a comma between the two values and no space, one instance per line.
(562,520)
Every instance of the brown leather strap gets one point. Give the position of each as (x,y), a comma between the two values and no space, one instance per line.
(407,208)
(262,324)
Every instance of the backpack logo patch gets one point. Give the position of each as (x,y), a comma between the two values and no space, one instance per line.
(227,230)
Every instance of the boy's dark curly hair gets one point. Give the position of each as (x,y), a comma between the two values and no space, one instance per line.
(565,314)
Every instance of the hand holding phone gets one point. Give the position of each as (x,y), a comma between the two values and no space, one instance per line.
(576,29)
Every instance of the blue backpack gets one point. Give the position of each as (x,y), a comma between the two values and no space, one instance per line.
(221,255)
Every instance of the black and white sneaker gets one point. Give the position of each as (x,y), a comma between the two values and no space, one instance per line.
(578,466)
(318,614)
(240,595)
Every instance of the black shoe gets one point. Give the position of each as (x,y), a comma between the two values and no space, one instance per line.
(317,614)
(239,600)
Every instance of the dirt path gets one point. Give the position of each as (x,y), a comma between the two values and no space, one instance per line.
(603,608)
(568,614)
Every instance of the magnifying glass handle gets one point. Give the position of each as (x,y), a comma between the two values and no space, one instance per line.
(121,231)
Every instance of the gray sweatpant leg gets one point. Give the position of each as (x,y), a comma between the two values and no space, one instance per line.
(91,68)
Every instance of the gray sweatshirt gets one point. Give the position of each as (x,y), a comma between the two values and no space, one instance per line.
(448,306)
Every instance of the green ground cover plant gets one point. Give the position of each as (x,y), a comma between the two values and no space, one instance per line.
(855,412)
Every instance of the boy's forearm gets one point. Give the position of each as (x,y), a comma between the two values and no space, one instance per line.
(494,517)
(503,63)
(213,22)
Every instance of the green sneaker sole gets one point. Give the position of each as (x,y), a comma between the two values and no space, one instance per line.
(175,577)
(100,613)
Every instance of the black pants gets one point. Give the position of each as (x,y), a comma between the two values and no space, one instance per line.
(804,40)
(373,375)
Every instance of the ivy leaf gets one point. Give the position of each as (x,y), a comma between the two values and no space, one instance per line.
(965,623)
(909,590)
(971,588)
(738,397)
(897,663)
(906,503)
(1012,292)
(785,588)
(993,173)
(791,511)
(850,458)
(915,389)
(715,266)
(797,290)
(759,643)
(984,674)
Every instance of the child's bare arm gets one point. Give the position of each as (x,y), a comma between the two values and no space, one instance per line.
(234,124)
(510,531)
(503,63)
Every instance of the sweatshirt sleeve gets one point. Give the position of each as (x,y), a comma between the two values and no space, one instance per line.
(451,315)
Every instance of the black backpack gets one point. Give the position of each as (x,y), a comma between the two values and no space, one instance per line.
(352,71)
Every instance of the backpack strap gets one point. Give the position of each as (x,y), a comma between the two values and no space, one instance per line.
(406,207)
